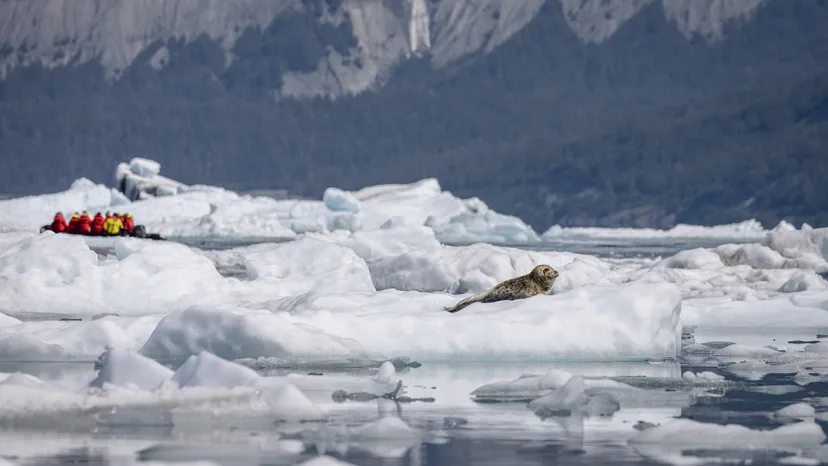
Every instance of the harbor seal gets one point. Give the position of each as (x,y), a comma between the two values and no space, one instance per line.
(538,281)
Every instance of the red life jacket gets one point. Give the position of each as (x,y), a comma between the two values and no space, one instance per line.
(97,224)
(58,224)
(73,225)
(85,224)
(129,224)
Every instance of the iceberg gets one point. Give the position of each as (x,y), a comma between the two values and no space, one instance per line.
(141,179)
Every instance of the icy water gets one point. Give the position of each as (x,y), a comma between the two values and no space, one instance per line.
(456,430)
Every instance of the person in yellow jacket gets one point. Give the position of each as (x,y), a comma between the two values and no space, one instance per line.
(113,226)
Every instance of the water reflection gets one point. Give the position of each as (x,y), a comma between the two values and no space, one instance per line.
(453,430)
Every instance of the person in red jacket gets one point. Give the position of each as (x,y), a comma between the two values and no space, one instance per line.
(58,224)
(97,224)
(129,223)
(121,217)
(73,223)
(85,224)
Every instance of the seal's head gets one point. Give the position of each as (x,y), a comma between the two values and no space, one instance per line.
(545,274)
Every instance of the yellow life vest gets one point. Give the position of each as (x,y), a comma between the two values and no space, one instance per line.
(113,225)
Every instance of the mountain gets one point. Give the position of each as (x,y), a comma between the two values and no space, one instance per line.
(579,112)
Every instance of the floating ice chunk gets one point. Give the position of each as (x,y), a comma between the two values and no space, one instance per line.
(180,463)
(804,309)
(744,231)
(797,411)
(234,333)
(306,264)
(745,351)
(122,368)
(387,428)
(50,271)
(324,460)
(698,258)
(527,387)
(144,167)
(26,348)
(701,377)
(490,227)
(8,321)
(572,399)
(805,243)
(387,374)
(754,255)
(208,370)
(672,441)
(378,244)
(686,431)
(478,267)
(289,402)
(22,380)
(246,219)
(29,213)
(337,200)
(821,347)
(803,281)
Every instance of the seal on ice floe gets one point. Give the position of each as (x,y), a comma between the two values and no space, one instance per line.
(538,281)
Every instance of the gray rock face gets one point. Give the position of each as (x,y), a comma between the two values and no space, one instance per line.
(115,32)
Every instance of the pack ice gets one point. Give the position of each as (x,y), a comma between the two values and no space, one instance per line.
(366,274)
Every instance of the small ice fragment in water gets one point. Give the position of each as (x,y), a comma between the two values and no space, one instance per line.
(388,428)
(454,422)
(745,351)
(797,411)
(387,373)
(572,398)
(701,377)
(324,460)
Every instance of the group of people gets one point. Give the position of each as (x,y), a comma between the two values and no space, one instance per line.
(117,224)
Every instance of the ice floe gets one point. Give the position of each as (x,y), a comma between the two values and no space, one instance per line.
(749,230)
(202,212)
(128,380)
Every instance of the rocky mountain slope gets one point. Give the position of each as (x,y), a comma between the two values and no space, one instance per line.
(116,33)
(580,112)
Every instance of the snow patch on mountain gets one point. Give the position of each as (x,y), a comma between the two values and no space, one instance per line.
(708,18)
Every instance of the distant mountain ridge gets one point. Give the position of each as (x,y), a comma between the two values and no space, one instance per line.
(116,33)
(580,113)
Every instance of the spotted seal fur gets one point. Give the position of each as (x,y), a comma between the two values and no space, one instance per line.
(538,281)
